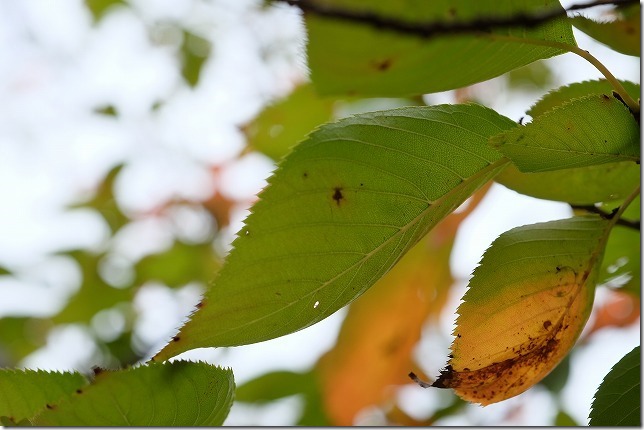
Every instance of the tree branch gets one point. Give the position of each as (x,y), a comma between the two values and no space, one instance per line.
(429,29)
(636,225)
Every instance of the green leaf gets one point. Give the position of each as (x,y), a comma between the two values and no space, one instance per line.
(617,400)
(525,307)
(194,51)
(19,337)
(564,420)
(181,393)
(579,186)
(591,130)
(359,59)
(272,386)
(567,93)
(281,125)
(181,264)
(25,392)
(339,212)
(622,261)
(621,34)
(99,8)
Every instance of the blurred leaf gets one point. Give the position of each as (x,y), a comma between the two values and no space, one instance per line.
(99,8)
(105,203)
(556,380)
(94,294)
(194,51)
(339,212)
(181,264)
(108,110)
(219,206)
(622,34)
(620,310)
(19,337)
(577,90)
(180,393)
(272,386)
(564,420)
(283,124)
(4,271)
(587,131)
(374,351)
(535,76)
(25,392)
(617,400)
(578,186)
(358,59)
(525,307)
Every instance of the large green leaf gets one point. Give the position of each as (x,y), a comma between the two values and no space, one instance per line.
(591,130)
(169,394)
(526,305)
(618,400)
(23,393)
(622,34)
(567,93)
(579,186)
(356,58)
(339,212)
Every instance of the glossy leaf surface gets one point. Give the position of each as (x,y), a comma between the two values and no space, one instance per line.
(23,393)
(378,62)
(587,131)
(618,400)
(525,307)
(338,213)
(170,394)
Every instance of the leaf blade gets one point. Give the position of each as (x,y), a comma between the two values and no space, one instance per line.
(617,400)
(341,210)
(525,307)
(170,394)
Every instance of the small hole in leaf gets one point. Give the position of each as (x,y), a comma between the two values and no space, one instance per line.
(316,304)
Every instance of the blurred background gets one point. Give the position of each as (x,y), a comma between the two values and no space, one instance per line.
(134,136)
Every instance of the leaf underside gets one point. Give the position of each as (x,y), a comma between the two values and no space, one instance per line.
(525,307)
(587,131)
(379,62)
(622,35)
(339,212)
(618,399)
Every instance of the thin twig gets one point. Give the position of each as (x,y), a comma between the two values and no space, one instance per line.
(437,28)
(636,224)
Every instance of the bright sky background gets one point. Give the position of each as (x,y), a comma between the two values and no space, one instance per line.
(56,67)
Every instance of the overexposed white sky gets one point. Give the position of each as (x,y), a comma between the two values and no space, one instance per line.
(56,67)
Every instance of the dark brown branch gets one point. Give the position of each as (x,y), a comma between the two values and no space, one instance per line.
(636,225)
(429,29)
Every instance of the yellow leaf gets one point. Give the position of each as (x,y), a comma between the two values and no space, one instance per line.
(526,306)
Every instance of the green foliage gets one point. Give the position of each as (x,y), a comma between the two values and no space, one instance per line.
(23,393)
(617,401)
(381,62)
(584,132)
(621,34)
(195,50)
(169,394)
(342,208)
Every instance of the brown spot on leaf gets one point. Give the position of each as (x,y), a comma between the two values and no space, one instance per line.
(97,370)
(48,406)
(547,324)
(383,65)
(305,175)
(337,195)
(200,304)
(176,339)
(79,391)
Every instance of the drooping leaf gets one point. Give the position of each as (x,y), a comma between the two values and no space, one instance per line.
(356,58)
(374,351)
(591,130)
(578,186)
(525,307)
(577,90)
(339,212)
(160,394)
(617,400)
(23,393)
(286,122)
(194,52)
(621,34)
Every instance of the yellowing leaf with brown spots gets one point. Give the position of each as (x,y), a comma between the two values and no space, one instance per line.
(378,336)
(526,305)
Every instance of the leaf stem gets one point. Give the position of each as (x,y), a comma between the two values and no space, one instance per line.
(619,89)
(624,206)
